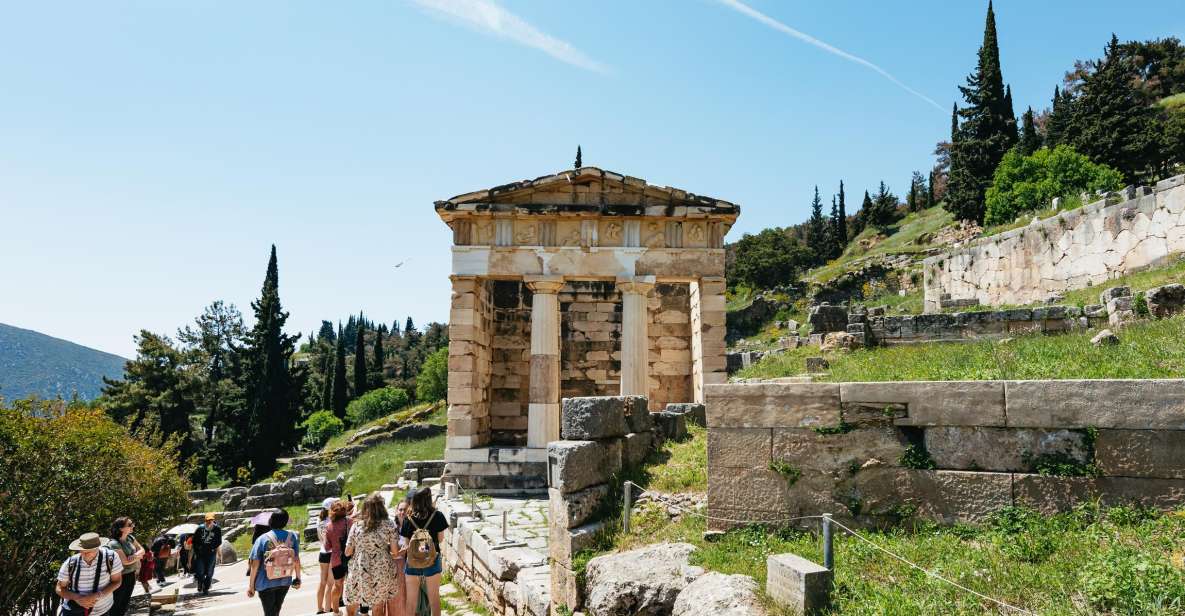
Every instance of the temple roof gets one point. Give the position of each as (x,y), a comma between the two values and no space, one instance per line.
(587,190)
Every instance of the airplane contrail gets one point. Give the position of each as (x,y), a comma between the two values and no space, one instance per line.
(749,11)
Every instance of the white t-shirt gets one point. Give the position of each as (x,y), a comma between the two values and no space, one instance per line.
(321,528)
(86,577)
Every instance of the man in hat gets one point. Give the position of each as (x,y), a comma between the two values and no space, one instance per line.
(87,579)
(206,541)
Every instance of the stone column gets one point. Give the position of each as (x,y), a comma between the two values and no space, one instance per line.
(468,365)
(635,346)
(543,410)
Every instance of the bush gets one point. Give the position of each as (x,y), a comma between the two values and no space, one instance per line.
(1028,183)
(768,259)
(1124,580)
(67,471)
(375,404)
(320,427)
(432,382)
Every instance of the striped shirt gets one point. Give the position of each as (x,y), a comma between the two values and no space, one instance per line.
(86,577)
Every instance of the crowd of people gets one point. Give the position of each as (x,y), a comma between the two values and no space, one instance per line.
(371,561)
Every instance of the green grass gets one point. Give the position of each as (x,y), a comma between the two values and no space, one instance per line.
(902,240)
(1139,281)
(404,415)
(1150,349)
(382,463)
(1173,102)
(1088,561)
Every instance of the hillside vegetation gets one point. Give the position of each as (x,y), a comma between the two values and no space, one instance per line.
(909,236)
(32,363)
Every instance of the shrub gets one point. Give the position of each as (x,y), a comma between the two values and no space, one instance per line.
(432,382)
(320,427)
(1027,183)
(768,259)
(67,471)
(1124,580)
(916,456)
(376,403)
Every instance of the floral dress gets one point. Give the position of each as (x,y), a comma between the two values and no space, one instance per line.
(373,575)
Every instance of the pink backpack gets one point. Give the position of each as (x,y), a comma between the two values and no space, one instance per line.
(280,559)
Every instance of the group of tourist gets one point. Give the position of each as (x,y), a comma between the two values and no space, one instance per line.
(99,579)
(374,563)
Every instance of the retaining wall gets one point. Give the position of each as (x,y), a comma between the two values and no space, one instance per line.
(1119,234)
(779,450)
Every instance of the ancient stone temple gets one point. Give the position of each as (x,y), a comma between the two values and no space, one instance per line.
(581,283)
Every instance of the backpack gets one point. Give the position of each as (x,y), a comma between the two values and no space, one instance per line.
(421,551)
(74,572)
(279,561)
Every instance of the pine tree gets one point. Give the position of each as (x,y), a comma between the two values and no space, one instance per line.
(209,350)
(579,162)
(987,132)
(1030,139)
(271,388)
(326,332)
(1112,120)
(817,230)
(360,376)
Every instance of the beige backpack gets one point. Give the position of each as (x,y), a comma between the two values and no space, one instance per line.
(421,550)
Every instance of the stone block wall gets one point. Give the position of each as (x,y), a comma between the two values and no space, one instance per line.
(469,363)
(510,348)
(878,454)
(1122,233)
(669,332)
(590,357)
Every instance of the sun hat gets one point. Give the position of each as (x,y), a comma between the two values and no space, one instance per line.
(87,541)
(327,503)
(210,516)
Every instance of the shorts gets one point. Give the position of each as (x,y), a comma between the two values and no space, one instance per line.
(425,571)
(340,571)
(324,558)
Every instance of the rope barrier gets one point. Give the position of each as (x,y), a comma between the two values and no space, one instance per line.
(849,531)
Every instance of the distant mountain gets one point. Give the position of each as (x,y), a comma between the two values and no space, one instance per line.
(33,363)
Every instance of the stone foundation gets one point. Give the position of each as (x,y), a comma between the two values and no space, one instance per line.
(878,454)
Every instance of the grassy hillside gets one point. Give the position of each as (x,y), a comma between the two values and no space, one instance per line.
(901,238)
(34,363)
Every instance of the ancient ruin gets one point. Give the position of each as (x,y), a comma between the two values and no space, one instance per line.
(581,283)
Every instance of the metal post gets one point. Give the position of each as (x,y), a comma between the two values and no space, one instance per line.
(628,504)
(503,526)
(828,549)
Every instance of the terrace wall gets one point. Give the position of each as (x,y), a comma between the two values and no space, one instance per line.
(778,450)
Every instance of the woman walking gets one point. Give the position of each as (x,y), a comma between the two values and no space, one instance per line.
(423,553)
(336,534)
(325,587)
(372,546)
(395,607)
(129,551)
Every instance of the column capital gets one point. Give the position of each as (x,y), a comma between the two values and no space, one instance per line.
(641,285)
(544,284)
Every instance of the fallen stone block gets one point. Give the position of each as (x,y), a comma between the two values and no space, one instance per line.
(694,412)
(797,583)
(1165,301)
(592,418)
(575,508)
(717,594)
(575,465)
(817,364)
(670,426)
(642,581)
(1113,293)
(1105,338)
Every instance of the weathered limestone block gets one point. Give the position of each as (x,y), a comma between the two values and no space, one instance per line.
(837,454)
(772,405)
(1000,449)
(576,465)
(641,581)
(1127,404)
(1105,337)
(1141,453)
(717,594)
(637,414)
(935,403)
(614,455)
(946,497)
(756,489)
(739,447)
(1050,495)
(1095,311)
(670,426)
(695,413)
(826,318)
(563,544)
(635,447)
(1166,300)
(797,583)
(1162,494)
(592,418)
(575,508)
(841,341)
(565,591)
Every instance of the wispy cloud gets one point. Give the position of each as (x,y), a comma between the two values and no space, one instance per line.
(749,11)
(488,16)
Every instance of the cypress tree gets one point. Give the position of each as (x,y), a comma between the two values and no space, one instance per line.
(326,368)
(270,389)
(1055,124)
(360,377)
(841,221)
(837,245)
(579,162)
(326,333)
(380,358)
(987,132)
(1112,120)
(340,397)
(409,327)
(817,230)
(1030,139)
(930,191)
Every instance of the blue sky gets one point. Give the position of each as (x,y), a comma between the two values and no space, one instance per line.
(150,152)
